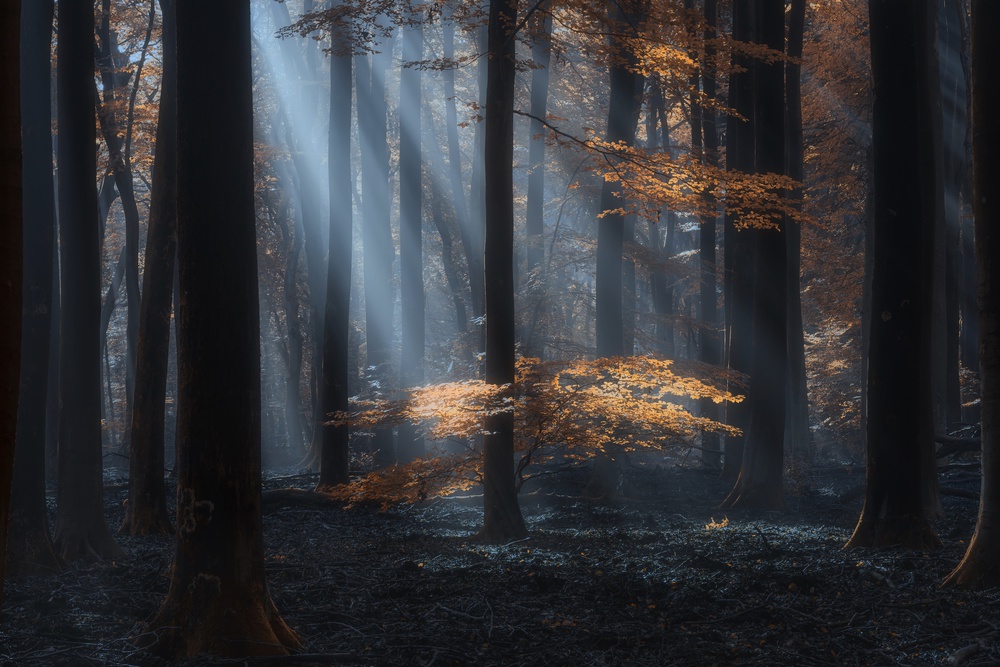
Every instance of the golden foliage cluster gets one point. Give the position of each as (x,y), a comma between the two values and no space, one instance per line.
(564,411)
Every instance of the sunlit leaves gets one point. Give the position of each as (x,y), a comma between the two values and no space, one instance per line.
(568,411)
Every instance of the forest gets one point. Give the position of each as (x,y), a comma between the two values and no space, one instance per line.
(499,332)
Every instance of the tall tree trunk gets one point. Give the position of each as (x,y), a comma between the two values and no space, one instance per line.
(29,547)
(739,243)
(11,258)
(901,481)
(452,269)
(709,351)
(661,282)
(541,47)
(80,526)
(797,441)
(469,226)
(217,602)
(980,568)
(955,117)
(622,121)
(477,187)
(502,519)
(411,258)
(760,480)
(376,237)
(335,390)
(115,83)
(146,511)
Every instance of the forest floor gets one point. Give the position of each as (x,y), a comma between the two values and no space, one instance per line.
(659,578)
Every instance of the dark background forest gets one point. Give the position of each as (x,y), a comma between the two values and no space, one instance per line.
(539,332)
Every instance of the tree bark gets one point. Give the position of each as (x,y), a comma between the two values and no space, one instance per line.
(541,48)
(218,601)
(709,350)
(11,257)
(29,546)
(502,519)
(980,568)
(411,258)
(335,390)
(622,121)
(110,62)
(80,526)
(739,243)
(376,237)
(797,441)
(955,117)
(146,512)
(901,481)
(760,480)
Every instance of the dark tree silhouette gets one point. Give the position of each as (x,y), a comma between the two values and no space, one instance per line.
(29,546)
(80,526)
(709,350)
(797,403)
(901,486)
(376,235)
(335,460)
(739,243)
(623,118)
(146,511)
(980,567)
(10,256)
(760,480)
(541,47)
(502,519)
(411,258)
(218,601)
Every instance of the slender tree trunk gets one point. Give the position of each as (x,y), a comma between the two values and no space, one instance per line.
(739,243)
(709,352)
(146,511)
(218,601)
(370,73)
(661,282)
(980,568)
(80,526)
(760,480)
(335,390)
(29,547)
(541,46)
(115,82)
(797,441)
(11,258)
(622,120)
(901,476)
(502,519)
(411,258)
(470,227)
(955,116)
(452,269)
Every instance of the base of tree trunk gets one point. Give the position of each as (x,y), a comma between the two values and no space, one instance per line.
(79,541)
(760,497)
(30,552)
(147,521)
(909,532)
(198,620)
(979,567)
